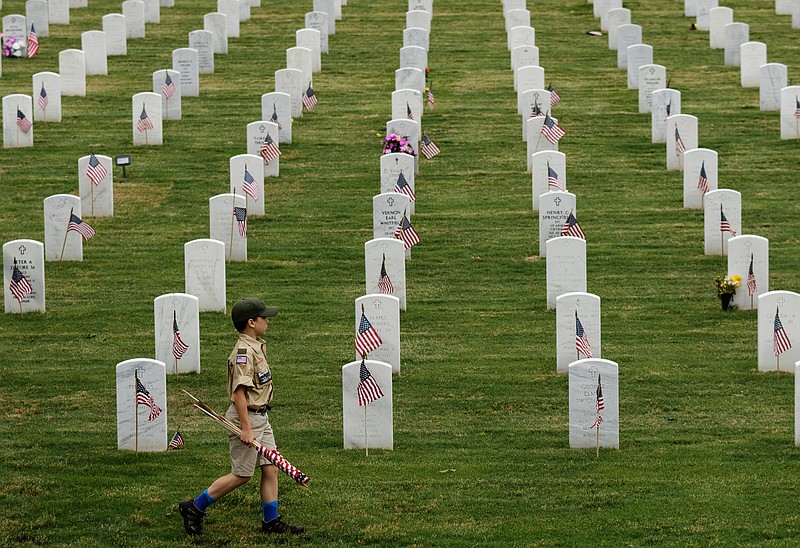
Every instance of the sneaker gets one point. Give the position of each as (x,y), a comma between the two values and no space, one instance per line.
(277,525)
(192,517)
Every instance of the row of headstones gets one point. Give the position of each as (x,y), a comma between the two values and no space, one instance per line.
(368,421)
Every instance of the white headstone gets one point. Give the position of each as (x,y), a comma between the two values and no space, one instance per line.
(413,56)
(566,267)
(523,56)
(247,172)
(418,18)
(133,10)
(116,34)
(508,5)
(387,212)
(517,18)
(421,5)
(718,18)
(277,104)
(217,23)
(651,78)
(410,130)
(690,8)
(742,252)
(204,271)
(36,15)
(16,26)
(386,254)
(773,78)
(533,100)
(704,8)
(146,119)
(140,426)
(244,11)
(61,244)
(152,11)
(225,227)
(203,42)
(17,121)
(790,112)
(751,56)
(416,37)
(405,99)
(300,59)
(716,204)
(310,40)
(93,44)
(290,82)
(735,34)
(797,402)
(394,164)
(554,208)
(383,312)
(46,97)
(180,352)
(97,198)
(231,9)
(783,7)
(606,7)
(72,68)
(616,17)
(167,83)
(318,20)
(528,77)
(185,62)
(370,427)
(584,378)
(638,56)
(627,35)
(537,142)
(681,136)
(28,256)
(666,102)
(699,171)
(409,78)
(572,308)
(796,15)
(78,4)
(786,306)
(257,133)
(326,7)
(543,163)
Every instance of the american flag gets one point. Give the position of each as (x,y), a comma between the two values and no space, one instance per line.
(33,42)
(43,100)
(367,389)
(553,180)
(428,148)
(274,117)
(572,227)
(536,110)
(241,219)
(431,100)
(309,99)
(581,341)
(176,442)
(95,170)
(555,98)
(406,233)
(551,130)
(76,224)
(724,225)
(781,339)
(23,122)
(269,150)
(20,286)
(680,148)
(408,112)
(168,88)
(250,186)
(367,338)
(403,187)
(702,182)
(179,347)
(797,107)
(601,404)
(143,397)
(752,286)
(144,122)
(384,283)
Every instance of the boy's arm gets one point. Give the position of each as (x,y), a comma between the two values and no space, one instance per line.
(240,403)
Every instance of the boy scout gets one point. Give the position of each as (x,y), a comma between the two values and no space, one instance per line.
(250,392)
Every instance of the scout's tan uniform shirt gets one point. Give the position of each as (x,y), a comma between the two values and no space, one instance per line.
(247,366)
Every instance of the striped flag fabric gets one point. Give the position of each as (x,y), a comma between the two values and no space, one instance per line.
(553,180)
(249,185)
(752,286)
(144,122)
(796,107)
(95,170)
(403,187)
(581,341)
(143,397)
(20,287)
(76,224)
(406,233)
(680,148)
(572,227)
(428,148)
(274,117)
(43,100)
(601,404)
(408,111)
(367,338)
(168,87)
(368,390)
(431,100)
(724,225)
(241,220)
(702,182)
(551,130)
(269,150)
(384,283)
(33,42)
(179,347)
(780,338)
(309,99)
(23,122)
(555,98)
(176,442)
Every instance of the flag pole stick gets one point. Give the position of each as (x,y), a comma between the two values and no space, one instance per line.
(136,406)
(597,443)
(66,233)
(17,126)
(91,184)
(366,436)
(778,363)
(233,217)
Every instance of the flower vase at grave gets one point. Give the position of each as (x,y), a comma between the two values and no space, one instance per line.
(726,300)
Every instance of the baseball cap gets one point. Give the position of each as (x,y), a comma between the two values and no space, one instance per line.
(251,307)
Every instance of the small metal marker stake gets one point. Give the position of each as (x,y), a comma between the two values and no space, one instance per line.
(123,161)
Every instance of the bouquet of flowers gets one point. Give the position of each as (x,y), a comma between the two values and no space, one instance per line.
(727,285)
(11,48)
(395,143)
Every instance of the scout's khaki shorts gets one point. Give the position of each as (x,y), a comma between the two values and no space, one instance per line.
(244,459)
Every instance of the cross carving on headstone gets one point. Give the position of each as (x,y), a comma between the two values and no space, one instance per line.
(390,201)
(377,304)
(22,249)
(262,128)
(748,244)
(204,248)
(578,302)
(175,302)
(557,201)
(781,301)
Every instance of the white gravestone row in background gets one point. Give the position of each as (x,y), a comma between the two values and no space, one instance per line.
(616,18)
(528,77)
(370,425)
(392,166)
(405,99)
(133,10)
(58,12)
(184,310)
(203,42)
(627,35)
(248,169)
(638,56)
(704,8)
(584,377)
(216,23)
(387,253)
(15,26)
(97,200)
(606,7)
(651,78)
(683,127)
(146,119)
(152,11)
(93,44)
(409,78)
(310,39)
(786,304)
(230,8)
(718,17)
(523,56)
(418,18)
(224,226)
(257,133)
(36,15)
(204,271)
(517,18)
(46,97)
(326,7)
(742,252)
(410,130)
(566,267)
(61,244)
(536,142)
(135,428)
(185,62)
(318,21)
(666,102)
(278,103)
(773,77)
(716,204)
(17,116)
(28,256)
(698,162)
(300,59)
(115,33)
(290,81)
(735,34)
(751,56)
(419,37)
(72,68)
(572,308)
(383,312)
(170,101)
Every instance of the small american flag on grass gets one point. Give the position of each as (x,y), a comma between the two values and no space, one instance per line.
(428,148)
(309,99)
(384,283)
(367,338)
(368,390)
(76,224)
(143,397)
(20,287)
(176,442)
(752,286)
(95,170)
(780,338)
(269,150)
(22,121)
(144,122)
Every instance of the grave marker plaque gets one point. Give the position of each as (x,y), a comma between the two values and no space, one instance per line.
(140,426)
(167,83)
(722,219)
(748,257)
(46,97)
(751,56)
(383,312)
(115,33)
(28,295)
(290,82)
(185,62)
(566,267)
(217,24)
(72,68)
(278,106)
(367,426)
(699,176)
(543,164)
(651,78)
(627,35)
(638,56)
(774,353)
(146,119)
(616,18)
(257,133)
(58,12)
(204,271)
(203,42)
(385,264)
(574,310)
(17,121)
(318,20)
(584,378)
(231,10)
(133,10)
(247,179)
(735,34)
(96,185)
(180,351)
(554,208)
(718,18)
(61,244)
(773,78)
(93,44)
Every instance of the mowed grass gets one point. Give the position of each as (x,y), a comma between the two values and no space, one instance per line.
(481,453)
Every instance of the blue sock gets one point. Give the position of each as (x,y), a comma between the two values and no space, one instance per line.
(270,510)
(204,501)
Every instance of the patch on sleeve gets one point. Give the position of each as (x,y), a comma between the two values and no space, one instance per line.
(241,359)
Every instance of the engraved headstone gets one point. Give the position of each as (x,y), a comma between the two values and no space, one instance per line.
(700,175)
(247,179)
(204,271)
(93,44)
(23,289)
(418,18)
(167,83)
(326,7)
(405,99)
(783,7)
(17,121)
(257,133)
(577,328)
(16,26)
(627,35)
(735,34)
(422,5)
(409,78)
(385,264)
(554,208)
(416,37)
(722,219)
(46,97)
(58,12)
(300,59)
(751,56)
(410,130)
(133,10)
(392,166)
(681,134)
(368,426)
(177,332)
(231,10)
(146,119)
(383,312)
(523,56)
(606,7)
(185,62)
(36,15)
(588,380)
(548,173)
(517,18)
(387,212)
(790,112)
(217,24)
(310,39)
(718,18)
(244,11)
(748,257)
(290,81)
(203,42)
(566,267)
(638,56)
(60,243)
(528,77)
(616,18)
(96,185)
(142,410)
(651,78)
(226,227)
(666,102)
(773,77)
(533,101)
(413,56)
(115,33)
(278,106)
(778,331)
(536,142)
(152,11)
(72,68)
(318,20)
(704,8)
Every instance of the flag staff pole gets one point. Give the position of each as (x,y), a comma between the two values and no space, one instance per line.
(91,184)
(66,233)
(597,443)
(539,138)
(366,436)
(145,129)
(577,352)
(233,218)
(136,406)
(17,125)
(174,323)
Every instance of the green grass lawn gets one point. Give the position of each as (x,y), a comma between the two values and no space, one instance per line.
(481,453)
